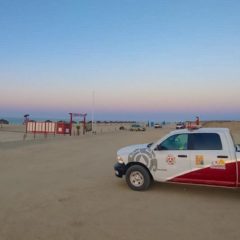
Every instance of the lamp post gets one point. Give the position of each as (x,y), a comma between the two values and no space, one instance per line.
(26,119)
(93,106)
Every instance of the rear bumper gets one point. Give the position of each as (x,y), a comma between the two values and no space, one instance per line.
(120,169)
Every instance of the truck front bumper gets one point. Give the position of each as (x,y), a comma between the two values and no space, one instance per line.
(120,169)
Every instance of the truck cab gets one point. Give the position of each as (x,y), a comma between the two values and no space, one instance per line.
(201,156)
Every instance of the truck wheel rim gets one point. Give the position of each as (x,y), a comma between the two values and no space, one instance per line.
(136,179)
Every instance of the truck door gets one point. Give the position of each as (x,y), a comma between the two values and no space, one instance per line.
(211,160)
(172,157)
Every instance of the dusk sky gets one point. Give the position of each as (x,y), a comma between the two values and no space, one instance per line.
(144,60)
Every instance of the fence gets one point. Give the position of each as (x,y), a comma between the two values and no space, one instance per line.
(41,127)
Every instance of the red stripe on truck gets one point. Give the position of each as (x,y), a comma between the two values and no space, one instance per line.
(211,176)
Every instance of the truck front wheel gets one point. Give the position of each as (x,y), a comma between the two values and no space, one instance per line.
(138,178)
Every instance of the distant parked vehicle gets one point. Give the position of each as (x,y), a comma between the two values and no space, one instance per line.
(180,125)
(137,127)
(157,125)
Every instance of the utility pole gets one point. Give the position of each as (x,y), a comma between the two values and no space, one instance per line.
(93,106)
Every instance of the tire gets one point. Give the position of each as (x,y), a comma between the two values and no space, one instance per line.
(138,178)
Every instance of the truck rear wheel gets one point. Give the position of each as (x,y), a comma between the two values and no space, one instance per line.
(138,178)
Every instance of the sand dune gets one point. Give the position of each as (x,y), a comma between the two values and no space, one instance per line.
(234,126)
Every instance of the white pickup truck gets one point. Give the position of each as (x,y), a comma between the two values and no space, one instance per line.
(205,156)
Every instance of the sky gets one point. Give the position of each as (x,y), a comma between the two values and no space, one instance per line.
(165,60)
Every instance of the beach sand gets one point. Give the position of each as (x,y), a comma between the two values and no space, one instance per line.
(64,187)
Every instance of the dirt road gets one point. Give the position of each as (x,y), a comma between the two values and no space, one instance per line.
(60,189)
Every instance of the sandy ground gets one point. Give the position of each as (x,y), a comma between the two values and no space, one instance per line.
(64,188)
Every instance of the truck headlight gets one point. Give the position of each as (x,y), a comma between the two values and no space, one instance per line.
(120,160)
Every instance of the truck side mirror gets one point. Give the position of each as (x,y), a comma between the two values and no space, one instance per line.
(157,148)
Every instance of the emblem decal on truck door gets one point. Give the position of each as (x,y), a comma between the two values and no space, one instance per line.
(171,160)
(199,160)
(219,164)
(146,156)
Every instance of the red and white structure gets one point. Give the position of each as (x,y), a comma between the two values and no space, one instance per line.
(41,127)
(53,127)
(83,115)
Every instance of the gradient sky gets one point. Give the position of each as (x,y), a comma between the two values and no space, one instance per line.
(144,60)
